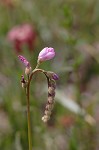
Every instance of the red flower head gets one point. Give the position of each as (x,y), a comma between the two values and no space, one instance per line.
(22,34)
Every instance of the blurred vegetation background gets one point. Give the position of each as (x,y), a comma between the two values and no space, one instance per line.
(71,27)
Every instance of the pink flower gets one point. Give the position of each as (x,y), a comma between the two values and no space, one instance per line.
(22,34)
(24,61)
(46,54)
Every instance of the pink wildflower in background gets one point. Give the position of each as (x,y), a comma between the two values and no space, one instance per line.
(8,3)
(22,34)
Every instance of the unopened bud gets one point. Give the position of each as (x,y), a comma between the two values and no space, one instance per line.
(28,70)
(48,107)
(51,90)
(50,99)
(48,113)
(24,85)
(46,54)
(23,82)
(52,75)
(45,118)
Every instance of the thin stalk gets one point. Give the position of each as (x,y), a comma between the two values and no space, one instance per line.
(28,105)
(33,72)
(37,66)
(28,119)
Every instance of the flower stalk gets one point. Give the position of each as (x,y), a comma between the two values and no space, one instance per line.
(28,118)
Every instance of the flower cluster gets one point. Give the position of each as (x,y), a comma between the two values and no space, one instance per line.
(45,54)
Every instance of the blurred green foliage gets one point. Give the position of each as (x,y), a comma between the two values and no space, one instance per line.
(72,28)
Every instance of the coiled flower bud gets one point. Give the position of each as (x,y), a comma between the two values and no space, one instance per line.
(50,101)
(23,82)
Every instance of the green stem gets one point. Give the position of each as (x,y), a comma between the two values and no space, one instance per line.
(28,119)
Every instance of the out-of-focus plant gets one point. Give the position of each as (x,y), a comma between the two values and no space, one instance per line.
(45,54)
(22,34)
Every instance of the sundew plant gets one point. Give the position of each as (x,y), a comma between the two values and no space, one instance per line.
(45,54)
